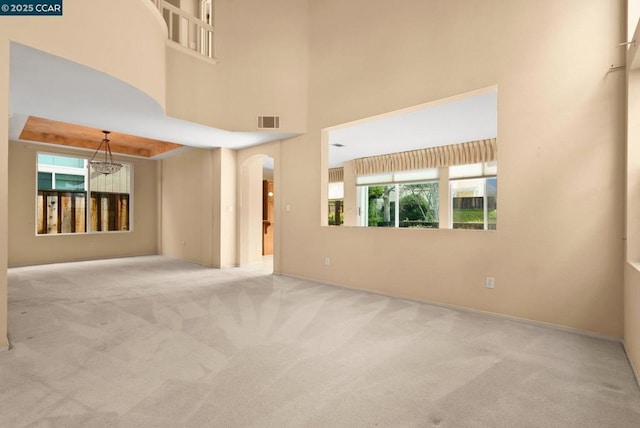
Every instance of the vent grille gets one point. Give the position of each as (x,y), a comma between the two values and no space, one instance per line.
(268,122)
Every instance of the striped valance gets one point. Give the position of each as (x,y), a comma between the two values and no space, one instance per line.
(432,157)
(336,175)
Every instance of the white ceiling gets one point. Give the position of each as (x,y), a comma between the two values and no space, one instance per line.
(51,87)
(468,118)
(54,88)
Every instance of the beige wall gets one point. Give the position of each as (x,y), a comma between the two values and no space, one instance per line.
(261,48)
(251,210)
(228,207)
(4,189)
(135,54)
(632,267)
(187,206)
(558,251)
(198,207)
(225,208)
(352,217)
(633,14)
(26,248)
(632,315)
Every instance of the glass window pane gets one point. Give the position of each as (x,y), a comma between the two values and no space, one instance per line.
(62,202)
(108,212)
(467,199)
(492,203)
(45,181)
(419,205)
(60,212)
(69,182)
(381,206)
(65,161)
(109,201)
(119,182)
(336,212)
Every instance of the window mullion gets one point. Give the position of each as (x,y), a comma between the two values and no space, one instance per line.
(485,206)
(364,203)
(397,207)
(87,205)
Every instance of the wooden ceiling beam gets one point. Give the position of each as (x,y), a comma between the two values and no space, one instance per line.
(65,134)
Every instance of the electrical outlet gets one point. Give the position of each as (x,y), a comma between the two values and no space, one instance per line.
(490,282)
(327,261)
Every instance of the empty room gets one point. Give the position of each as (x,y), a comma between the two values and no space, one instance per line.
(337,213)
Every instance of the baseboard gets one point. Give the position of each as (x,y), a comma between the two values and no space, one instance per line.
(472,310)
(80,260)
(636,373)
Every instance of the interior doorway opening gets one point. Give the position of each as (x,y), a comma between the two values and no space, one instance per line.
(257,216)
(268,213)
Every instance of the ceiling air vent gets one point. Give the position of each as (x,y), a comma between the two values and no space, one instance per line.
(268,122)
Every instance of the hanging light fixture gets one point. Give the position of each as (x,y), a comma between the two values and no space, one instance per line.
(108,166)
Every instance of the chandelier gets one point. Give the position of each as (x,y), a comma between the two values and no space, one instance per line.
(108,166)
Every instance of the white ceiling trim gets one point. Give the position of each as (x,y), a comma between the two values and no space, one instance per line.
(457,119)
(54,88)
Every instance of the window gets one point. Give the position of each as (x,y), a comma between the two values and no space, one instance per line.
(474,200)
(69,182)
(336,203)
(109,201)
(70,200)
(416,202)
(380,205)
(419,204)
(336,212)
(401,147)
(45,180)
(472,197)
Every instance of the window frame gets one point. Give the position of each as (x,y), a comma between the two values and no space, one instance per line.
(87,193)
(485,205)
(483,171)
(364,199)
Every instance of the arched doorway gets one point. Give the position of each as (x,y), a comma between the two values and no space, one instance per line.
(257,215)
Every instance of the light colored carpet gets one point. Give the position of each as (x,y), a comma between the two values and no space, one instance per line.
(158,342)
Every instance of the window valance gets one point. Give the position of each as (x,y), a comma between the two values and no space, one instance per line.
(432,157)
(336,175)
